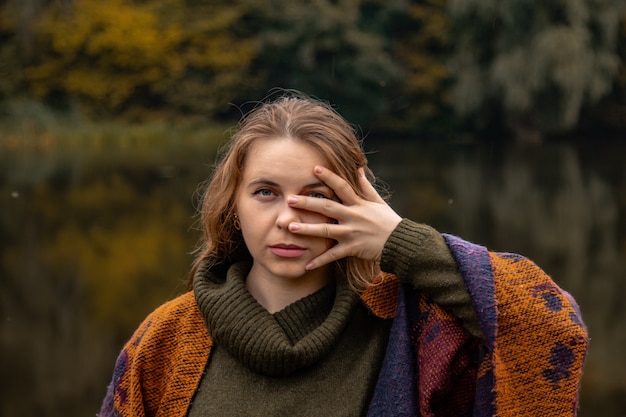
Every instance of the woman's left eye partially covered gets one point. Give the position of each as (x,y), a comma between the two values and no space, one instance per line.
(317,194)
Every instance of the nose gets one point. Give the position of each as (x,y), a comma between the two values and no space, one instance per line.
(286,215)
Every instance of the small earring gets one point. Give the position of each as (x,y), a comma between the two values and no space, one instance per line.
(237,223)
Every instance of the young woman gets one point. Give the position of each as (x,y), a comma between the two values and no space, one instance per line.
(313,297)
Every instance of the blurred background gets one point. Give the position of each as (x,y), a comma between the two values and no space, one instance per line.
(500,121)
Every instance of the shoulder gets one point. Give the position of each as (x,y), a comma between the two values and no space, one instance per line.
(168,350)
(179,309)
(169,322)
(162,362)
(381,297)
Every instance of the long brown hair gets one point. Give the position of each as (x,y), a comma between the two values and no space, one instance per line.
(293,116)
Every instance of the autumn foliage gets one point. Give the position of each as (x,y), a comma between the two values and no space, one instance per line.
(407,65)
(120,56)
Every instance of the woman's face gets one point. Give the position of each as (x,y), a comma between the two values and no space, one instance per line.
(274,170)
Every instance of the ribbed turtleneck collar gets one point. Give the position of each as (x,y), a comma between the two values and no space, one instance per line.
(275,345)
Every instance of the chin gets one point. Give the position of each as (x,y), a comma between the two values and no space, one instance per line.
(291,273)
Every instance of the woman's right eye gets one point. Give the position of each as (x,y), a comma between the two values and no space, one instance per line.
(264,192)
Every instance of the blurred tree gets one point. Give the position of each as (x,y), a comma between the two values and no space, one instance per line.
(398,65)
(217,50)
(17,28)
(537,62)
(336,50)
(611,112)
(102,51)
(421,44)
(119,54)
(10,65)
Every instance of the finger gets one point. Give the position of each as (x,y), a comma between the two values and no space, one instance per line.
(324,206)
(324,230)
(331,255)
(368,189)
(344,191)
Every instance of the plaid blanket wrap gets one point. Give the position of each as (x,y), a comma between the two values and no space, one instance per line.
(529,364)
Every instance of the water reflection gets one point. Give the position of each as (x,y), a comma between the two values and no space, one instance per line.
(91,241)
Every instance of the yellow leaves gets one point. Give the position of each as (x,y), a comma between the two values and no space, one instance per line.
(220,52)
(208,41)
(433,19)
(427,73)
(104,49)
(427,68)
(112,52)
(421,52)
(129,30)
(97,85)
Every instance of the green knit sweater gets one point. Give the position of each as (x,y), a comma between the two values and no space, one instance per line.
(325,349)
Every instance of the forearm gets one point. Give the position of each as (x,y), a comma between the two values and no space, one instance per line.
(418,255)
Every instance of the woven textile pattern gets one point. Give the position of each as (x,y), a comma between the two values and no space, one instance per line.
(530,363)
(547,346)
(158,370)
(534,334)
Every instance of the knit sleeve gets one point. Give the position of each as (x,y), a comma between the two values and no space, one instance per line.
(418,255)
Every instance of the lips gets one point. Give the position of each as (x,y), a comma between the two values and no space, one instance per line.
(287,251)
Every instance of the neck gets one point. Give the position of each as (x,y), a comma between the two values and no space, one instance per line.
(276,293)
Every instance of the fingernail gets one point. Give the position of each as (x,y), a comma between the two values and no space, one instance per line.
(294,227)
(309,266)
(361,172)
(292,200)
(319,170)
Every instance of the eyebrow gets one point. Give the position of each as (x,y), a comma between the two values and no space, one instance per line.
(275,184)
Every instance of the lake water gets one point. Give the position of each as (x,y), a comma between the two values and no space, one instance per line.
(93,238)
